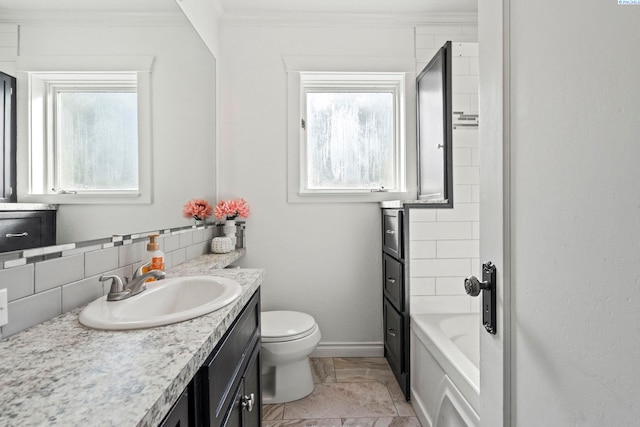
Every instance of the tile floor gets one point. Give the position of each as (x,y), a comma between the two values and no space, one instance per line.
(358,392)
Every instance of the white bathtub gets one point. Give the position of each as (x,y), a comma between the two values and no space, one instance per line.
(445,380)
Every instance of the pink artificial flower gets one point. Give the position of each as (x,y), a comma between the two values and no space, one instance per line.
(242,208)
(197,209)
(220,211)
(231,209)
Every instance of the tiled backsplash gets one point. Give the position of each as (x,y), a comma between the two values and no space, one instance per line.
(45,282)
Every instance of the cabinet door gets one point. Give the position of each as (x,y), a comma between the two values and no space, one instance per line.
(252,409)
(179,414)
(223,369)
(246,409)
(234,417)
(8,138)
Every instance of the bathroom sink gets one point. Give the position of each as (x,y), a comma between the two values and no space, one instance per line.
(164,302)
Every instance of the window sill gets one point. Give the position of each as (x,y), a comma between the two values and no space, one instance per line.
(371,197)
(85,199)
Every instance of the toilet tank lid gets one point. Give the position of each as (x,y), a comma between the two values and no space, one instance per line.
(282,324)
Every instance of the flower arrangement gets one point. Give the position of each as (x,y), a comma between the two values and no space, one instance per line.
(198,209)
(231,209)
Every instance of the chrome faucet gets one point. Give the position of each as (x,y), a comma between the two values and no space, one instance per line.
(119,292)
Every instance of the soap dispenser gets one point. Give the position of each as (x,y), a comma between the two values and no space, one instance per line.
(154,259)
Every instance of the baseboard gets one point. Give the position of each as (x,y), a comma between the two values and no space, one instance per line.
(349,349)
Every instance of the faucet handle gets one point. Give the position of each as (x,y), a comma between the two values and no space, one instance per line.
(139,272)
(116,283)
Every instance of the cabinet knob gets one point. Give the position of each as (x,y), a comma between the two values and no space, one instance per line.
(247,402)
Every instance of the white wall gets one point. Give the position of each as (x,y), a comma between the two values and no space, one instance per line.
(183,119)
(324,259)
(575,212)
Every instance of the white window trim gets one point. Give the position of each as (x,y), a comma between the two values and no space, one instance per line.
(302,67)
(31,135)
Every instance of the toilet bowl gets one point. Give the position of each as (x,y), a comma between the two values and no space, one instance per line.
(288,338)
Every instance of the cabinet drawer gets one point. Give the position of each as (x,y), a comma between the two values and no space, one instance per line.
(393,281)
(393,338)
(392,232)
(24,230)
(223,369)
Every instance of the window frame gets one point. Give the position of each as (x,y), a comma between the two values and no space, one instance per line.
(313,82)
(301,68)
(41,76)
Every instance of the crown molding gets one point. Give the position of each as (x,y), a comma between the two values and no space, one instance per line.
(57,17)
(296,19)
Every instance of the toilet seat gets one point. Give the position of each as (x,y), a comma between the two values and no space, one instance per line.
(281,326)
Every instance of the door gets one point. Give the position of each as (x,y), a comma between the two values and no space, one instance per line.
(494,206)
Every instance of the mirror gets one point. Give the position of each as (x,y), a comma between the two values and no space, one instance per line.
(182,109)
(435,152)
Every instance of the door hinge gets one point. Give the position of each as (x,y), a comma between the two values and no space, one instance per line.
(303,124)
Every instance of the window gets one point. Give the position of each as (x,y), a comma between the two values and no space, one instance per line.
(351,137)
(88,136)
(349,142)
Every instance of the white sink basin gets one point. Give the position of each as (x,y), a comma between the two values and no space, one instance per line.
(164,302)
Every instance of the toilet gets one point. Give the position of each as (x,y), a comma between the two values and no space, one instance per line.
(288,338)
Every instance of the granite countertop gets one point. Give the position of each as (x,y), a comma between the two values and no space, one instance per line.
(27,207)
(62,373)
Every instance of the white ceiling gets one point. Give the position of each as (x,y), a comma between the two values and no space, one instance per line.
(351,6)
(90,5)
(252,7)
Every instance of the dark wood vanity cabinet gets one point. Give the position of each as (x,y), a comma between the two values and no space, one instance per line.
(395,300)
(226,390)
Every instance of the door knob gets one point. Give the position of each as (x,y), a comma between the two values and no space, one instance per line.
(473,286)
(487,286)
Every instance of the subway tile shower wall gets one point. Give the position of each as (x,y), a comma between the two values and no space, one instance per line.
(43,287)
(444,243)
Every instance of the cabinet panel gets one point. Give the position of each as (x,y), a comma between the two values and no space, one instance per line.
(393,281)
(26,229)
